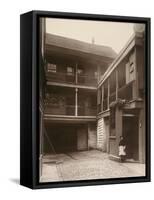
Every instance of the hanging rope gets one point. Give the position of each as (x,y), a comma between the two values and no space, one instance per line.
(53,149)
(50,143)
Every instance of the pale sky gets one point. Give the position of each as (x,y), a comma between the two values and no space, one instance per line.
(113,34)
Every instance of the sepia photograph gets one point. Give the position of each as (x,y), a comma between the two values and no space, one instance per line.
(92,107)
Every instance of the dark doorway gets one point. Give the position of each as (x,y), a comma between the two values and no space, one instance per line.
(130,134)
(60,138)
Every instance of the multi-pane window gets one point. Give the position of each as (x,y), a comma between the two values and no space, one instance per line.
(70,71)
(130,68)
(52,67)
(80,71)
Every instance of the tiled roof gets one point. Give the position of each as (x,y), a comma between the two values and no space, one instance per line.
(77,45)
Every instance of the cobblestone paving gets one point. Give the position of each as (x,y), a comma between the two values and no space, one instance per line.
(87,165)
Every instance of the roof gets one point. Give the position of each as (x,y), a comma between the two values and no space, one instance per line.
(77,45)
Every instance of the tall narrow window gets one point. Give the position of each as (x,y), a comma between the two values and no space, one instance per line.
(130,68)
(52,68)
(80,71)
(70,71)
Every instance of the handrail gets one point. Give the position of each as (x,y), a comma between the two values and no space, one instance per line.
(67,74)
(73,106)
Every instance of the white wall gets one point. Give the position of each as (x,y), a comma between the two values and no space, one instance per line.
(9,100)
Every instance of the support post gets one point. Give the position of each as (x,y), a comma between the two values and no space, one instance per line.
(108,95)
(76,73)
(76,101)
(135,83)
(102,99)
(116,84)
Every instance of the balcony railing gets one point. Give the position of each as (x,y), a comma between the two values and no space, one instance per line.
(87,111)
(125,93)
(60,77)
(86,80)
(55,109)
(71,79)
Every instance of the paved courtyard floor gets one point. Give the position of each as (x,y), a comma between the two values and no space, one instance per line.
(86,165)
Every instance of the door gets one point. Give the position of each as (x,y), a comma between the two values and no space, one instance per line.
(60,139)
(130,134)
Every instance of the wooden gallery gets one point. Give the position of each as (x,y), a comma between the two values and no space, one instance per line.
(90,96)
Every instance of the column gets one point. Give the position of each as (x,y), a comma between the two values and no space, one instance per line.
(102,99)
(98,72)
(41,131)
(76,101)
(108,95)
(116,84)
(141,136)
(76,73)
(135,83)
(118,127)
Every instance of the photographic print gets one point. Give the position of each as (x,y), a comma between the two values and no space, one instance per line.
(92,109)
(85,99)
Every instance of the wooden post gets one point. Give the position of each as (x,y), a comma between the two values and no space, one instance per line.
(98,73)
(116,84)
(76,73)
(135,83)
(102,99)
(76,101)
(41,141)
(108,97)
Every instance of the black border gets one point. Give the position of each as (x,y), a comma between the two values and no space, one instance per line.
(35,15)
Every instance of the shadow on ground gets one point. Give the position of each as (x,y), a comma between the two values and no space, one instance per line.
(15,180)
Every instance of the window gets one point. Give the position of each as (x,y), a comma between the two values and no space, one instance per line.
(70,71)
(52,68)
(96,74)
(131,67)
(80,71)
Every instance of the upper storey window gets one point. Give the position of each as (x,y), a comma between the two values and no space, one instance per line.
(80,71)
(96,74)
(70,71)
(52,68)
(130,68)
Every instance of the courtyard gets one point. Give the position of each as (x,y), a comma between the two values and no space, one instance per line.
(84,165)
